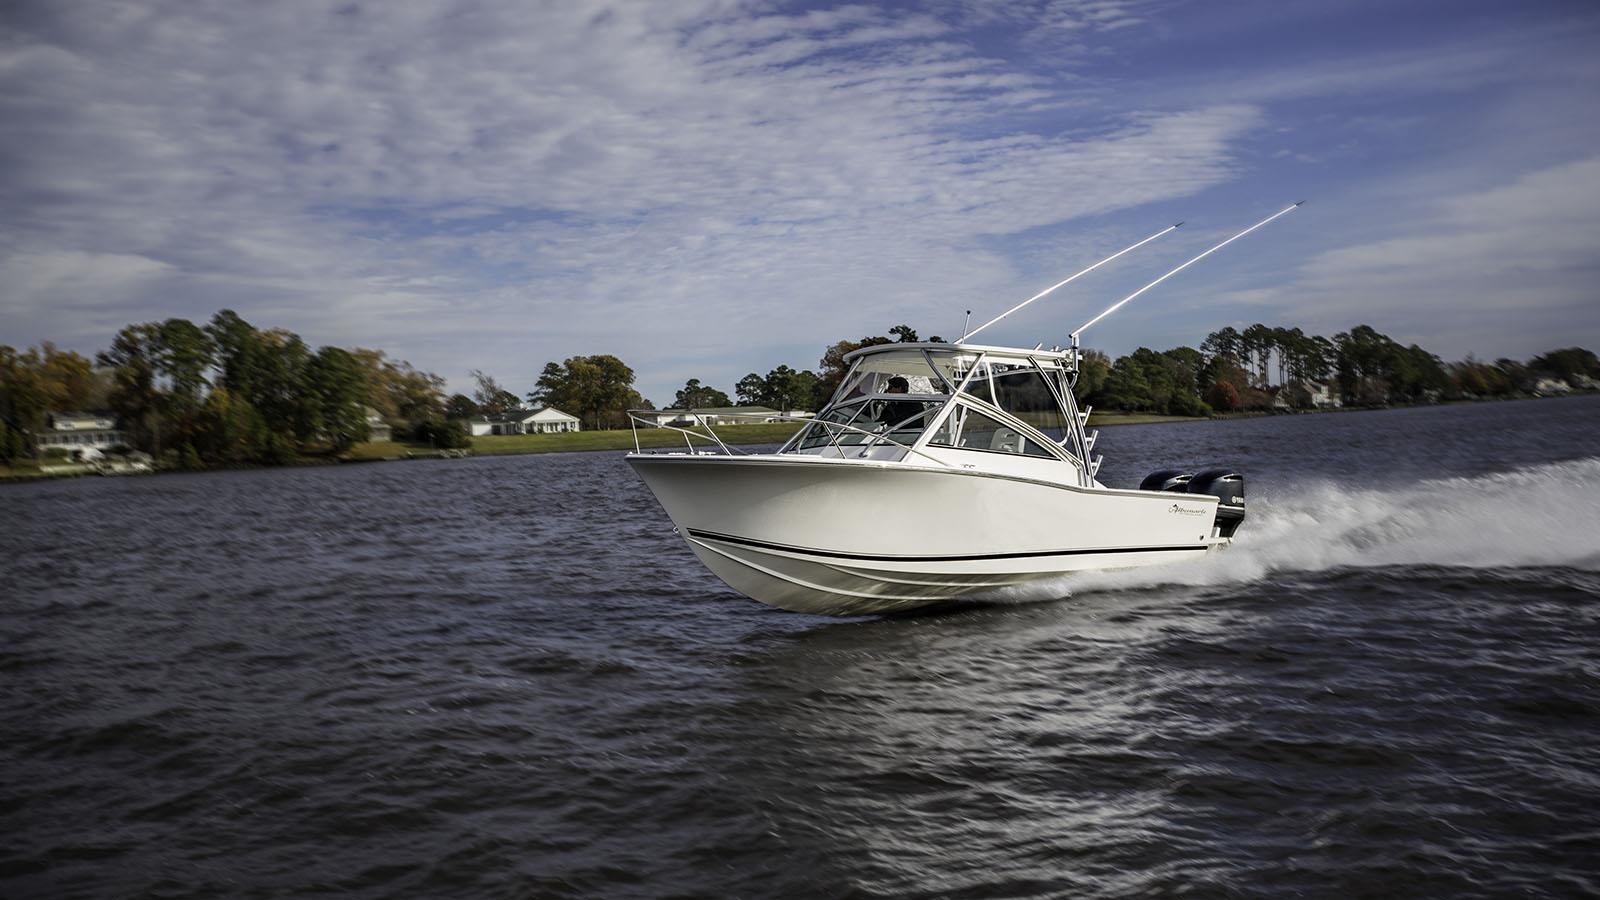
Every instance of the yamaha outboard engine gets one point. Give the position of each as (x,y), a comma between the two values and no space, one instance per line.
(1228,487)
(1172,480)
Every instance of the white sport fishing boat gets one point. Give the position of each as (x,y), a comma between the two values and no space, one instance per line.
(937,472)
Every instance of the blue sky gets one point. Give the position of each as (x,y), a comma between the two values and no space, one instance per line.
(711,188)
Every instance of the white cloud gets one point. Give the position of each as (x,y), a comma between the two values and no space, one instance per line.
(502,184)
(1539,224)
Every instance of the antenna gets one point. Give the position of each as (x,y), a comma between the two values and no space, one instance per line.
(965,325)
(1063,282)
(1118,305)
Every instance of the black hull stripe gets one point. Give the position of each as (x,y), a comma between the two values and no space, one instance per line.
(834,554)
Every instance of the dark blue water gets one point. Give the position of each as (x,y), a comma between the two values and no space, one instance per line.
(505,677)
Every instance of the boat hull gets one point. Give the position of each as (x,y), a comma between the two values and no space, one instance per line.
(844,537)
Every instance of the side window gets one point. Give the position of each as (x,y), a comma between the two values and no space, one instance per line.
(969,429)
(1024,394)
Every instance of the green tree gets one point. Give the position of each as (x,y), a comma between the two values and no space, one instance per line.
(787,390)
(1223,342)
(12,445)
(229,431)
(598,389)
(1257,343)
(695,395)
(24,399)
(1186,364)
(1127,387)
(334,379)
(237,347)
(1094,368)
(1567,364)
(751,390)
(267,371)
(460,406)
(186,354)
(1362,354)
(904,334)
(552,379)
(134,361)
(444,435)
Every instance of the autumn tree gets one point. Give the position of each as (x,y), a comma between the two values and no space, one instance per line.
(490,396)
(403,395)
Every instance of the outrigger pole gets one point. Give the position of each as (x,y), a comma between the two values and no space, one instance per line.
(1118,305)
(1063,282)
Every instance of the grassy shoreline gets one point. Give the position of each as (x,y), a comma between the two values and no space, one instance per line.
(620,440)
(572,442)
(658,438)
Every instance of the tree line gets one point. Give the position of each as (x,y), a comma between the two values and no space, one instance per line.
(229,393)
(1265,367)
(1259,368)
(225,393)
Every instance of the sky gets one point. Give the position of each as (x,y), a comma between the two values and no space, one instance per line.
(708,188)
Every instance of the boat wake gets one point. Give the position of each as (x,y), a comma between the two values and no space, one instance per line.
(1544,515)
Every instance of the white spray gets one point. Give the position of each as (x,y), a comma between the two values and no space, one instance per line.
(1545,515)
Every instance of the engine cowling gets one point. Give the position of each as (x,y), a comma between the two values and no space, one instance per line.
(1227,486)
(1172,480)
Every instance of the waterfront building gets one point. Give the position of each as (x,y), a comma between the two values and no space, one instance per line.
(77,431)
(378,430)
(546,420)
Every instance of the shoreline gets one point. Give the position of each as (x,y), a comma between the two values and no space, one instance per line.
(618,440)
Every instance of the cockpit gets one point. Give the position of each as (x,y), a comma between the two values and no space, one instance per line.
(919,401)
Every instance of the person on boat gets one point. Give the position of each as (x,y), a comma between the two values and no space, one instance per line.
(896,411)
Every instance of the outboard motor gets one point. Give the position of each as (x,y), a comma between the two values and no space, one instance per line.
(1228,487)
(1172,480)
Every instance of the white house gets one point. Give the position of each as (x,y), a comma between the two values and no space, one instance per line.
(378,430)
(548,420)
(1325,396)
(552,421)
(79,431)
(1551,387)
(1322,396)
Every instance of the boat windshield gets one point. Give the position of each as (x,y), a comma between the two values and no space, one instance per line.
(892,396)
(897,418)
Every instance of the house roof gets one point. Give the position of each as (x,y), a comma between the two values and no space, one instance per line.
(56,420)
(543,414)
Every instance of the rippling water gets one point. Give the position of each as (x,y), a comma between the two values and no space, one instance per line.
(506,677)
